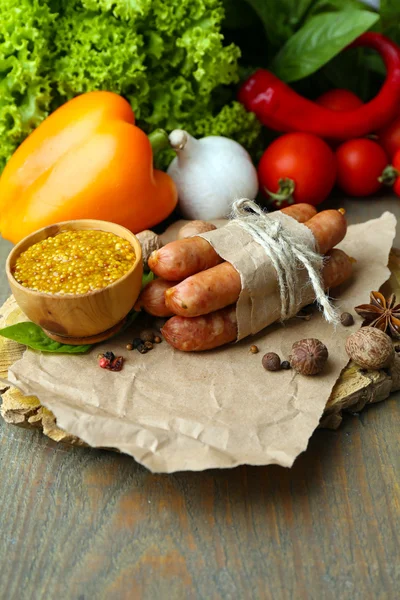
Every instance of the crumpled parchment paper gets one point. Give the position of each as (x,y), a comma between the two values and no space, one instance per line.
(176,411)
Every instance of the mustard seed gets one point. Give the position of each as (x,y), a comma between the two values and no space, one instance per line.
(74,262)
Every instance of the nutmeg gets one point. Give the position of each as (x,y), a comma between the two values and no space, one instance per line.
(308,357)
(149,242)
(370,348)
(194,228)
(271,361)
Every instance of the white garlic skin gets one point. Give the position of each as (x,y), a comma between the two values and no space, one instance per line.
(210,174)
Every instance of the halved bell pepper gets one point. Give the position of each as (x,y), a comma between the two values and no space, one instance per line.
(87,160)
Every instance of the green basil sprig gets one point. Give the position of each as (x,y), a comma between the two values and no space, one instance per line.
(34,337)
(321,38)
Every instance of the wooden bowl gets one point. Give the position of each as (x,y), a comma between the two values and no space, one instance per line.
(79,318)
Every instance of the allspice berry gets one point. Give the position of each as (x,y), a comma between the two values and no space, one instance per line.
(285,364)
(271,361)
(308,357)
(147,335)
(346,319)
(370,348)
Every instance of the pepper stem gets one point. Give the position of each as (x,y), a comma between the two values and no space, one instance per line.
(284,193)
(159,140)
(389,175)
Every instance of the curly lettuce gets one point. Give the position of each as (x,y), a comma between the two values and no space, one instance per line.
(167,58)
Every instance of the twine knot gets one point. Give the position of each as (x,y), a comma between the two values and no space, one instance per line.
(288,255)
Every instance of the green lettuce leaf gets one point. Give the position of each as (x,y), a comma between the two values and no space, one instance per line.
(168,58)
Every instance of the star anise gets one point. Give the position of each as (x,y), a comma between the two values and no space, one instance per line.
(382,313)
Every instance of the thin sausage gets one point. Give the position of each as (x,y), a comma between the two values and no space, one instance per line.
(204,292)
(220,327)
(207,291)
(329,228)
(152,298)
(300,212)
(338,267)
(182,258)
(202,333)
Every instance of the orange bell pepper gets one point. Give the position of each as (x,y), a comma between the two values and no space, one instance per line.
(87,160)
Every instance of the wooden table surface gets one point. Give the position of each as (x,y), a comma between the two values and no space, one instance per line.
(87,524)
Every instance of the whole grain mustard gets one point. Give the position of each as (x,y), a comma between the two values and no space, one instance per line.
(74,262)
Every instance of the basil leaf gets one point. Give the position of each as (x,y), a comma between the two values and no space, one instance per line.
(34,337)
(324,6)
(321,38)
(390,19)
(146,278)
(280,18)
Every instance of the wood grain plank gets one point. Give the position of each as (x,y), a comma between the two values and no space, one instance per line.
(82,524)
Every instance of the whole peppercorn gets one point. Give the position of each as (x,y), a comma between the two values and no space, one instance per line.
(147,335)
(104,362)
(253,349)
(285,364)
(346,319)
(308,356)
(370,348)
(271,361)
(129,347)
(157,339)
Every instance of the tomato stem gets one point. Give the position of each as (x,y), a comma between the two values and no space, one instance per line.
(285,192)
(389,175)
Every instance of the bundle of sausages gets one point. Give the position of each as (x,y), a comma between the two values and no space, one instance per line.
(198,290)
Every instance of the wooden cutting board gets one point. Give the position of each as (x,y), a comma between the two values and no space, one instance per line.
(355,388)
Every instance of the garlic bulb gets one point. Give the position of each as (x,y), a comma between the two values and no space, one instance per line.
(210,174)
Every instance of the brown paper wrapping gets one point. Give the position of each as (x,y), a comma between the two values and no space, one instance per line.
(176,411)
(259,301)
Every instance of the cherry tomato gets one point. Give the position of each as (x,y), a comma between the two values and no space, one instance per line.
(339,99)
(389,138)
(396,165)
(297,167)
(359,164)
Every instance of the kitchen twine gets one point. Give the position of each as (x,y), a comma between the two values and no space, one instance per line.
(286,254)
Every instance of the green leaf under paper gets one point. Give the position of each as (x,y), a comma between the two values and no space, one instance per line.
(146,278)
(33,336)
(321,38)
